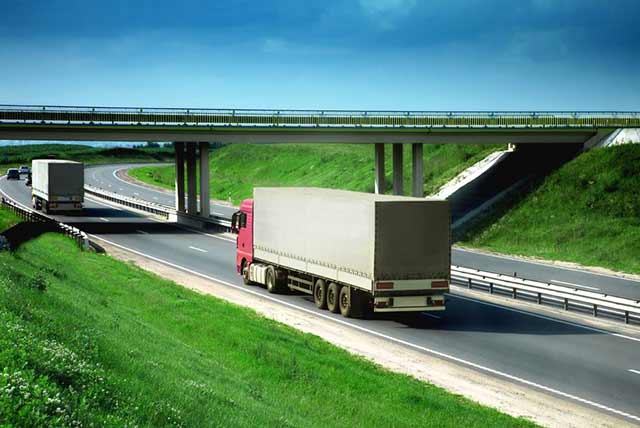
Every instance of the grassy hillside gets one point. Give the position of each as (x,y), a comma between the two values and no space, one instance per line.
(587,212)
(88,340)
(236,169)
(7,219)
(13,156)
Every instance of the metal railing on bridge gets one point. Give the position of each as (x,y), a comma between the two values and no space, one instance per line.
(242,118)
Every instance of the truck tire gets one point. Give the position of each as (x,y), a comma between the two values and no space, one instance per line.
(270,280)
(274,281)
(245,273)
(333,298)
(344,302)
(320,294)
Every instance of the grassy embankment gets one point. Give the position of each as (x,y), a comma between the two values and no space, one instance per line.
(7,219)
(86,339)
(236,169)
(586,212)
(14,156)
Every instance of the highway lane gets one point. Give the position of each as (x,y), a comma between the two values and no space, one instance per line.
(104,176)
(567,358)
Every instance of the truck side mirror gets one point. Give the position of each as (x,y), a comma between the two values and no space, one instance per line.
(234,222)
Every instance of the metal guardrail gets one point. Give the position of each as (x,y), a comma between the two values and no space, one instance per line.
(158,117)
(542,293)
(568,298)
(151,207)
(74,233)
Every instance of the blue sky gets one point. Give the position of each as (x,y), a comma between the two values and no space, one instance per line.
(360,54)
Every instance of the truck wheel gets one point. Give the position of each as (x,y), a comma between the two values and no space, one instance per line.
(320,294)
(333,298)
(274,284)
(245,273)
(344,302)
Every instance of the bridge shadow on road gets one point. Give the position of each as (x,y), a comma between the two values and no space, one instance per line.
(133,228)
(472,316)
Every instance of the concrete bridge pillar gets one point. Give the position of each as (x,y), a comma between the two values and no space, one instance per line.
(192,197)
(397,169)
(379,168)
(179,160)
(204,179)
(418,174)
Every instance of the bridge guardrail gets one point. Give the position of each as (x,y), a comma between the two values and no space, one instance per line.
(158,117)
(151,207)
(74,233)
(540,292)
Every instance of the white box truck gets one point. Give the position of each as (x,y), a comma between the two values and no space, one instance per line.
(57,185)
(354,252)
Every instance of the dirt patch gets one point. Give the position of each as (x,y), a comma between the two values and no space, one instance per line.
(505,396)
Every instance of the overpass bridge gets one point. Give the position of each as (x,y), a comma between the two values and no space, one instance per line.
(193,129)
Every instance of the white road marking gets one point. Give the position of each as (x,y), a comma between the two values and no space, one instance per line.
(136,193)
(634,371)
(384,336)
(142,231)
(622,336)
(549,265)
(155,197)
(121,189)
(198,249)
(427,314)
(102,203)
(104,219)
(217,213)
(575,285)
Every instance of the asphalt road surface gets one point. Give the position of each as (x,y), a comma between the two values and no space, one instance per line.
(594,367)
(104,176)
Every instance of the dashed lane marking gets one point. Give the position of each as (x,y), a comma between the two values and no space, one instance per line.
(198,249)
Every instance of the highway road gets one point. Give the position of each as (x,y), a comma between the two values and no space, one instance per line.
(591,366)
(105,176)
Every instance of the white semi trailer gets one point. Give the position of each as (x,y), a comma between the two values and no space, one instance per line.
(57,185)
(354,252)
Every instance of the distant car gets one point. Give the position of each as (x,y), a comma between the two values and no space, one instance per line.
(13,174)
(24,170)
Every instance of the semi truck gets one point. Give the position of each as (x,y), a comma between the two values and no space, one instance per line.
(57,185)
(355,253)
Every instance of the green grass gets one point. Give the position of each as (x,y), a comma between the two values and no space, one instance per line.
(86,339)
(14,156)
(586,212)
(8,219)
(237,168)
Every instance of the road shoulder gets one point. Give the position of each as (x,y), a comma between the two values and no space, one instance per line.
(510,398)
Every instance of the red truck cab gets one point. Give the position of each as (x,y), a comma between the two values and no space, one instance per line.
(242,224)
